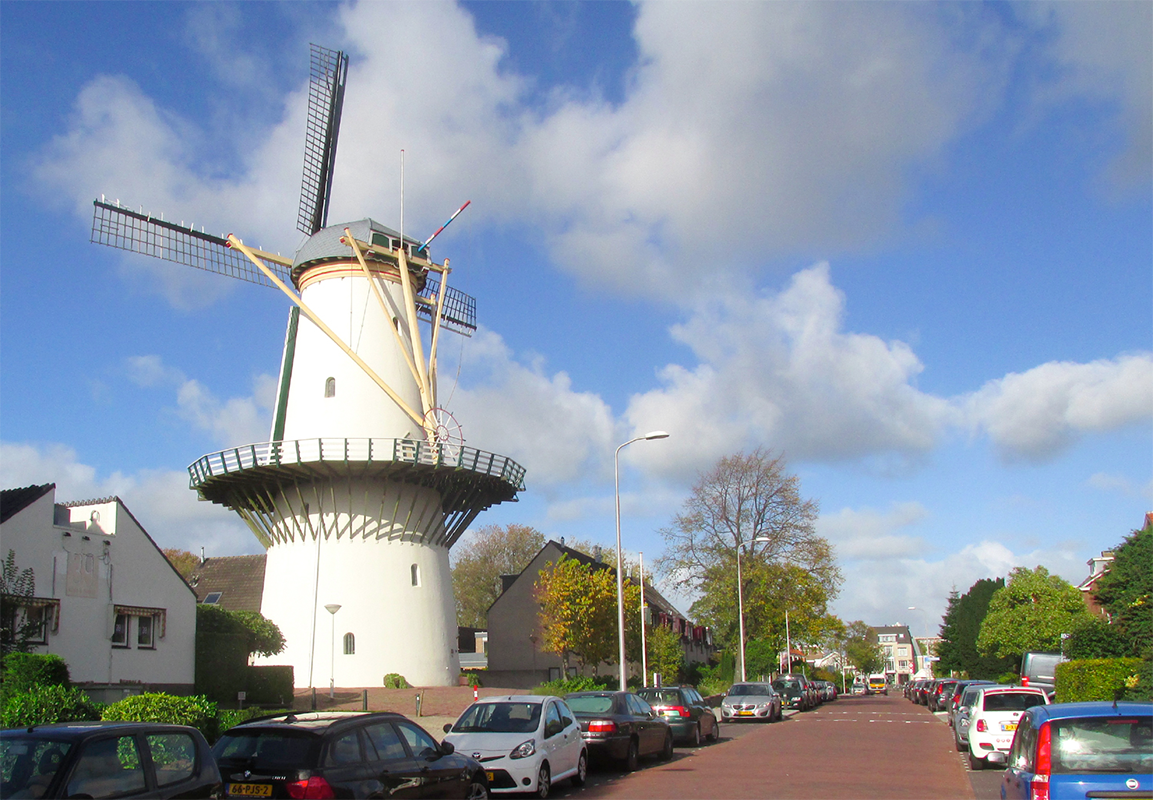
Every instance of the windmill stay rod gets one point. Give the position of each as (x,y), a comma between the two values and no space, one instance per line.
(442,227)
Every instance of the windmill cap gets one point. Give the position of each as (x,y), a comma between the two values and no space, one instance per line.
(325,244)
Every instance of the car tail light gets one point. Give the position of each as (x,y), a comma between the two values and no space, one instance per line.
(1039,786)
(981,726)
(314,788)
(680,711)
(602,726)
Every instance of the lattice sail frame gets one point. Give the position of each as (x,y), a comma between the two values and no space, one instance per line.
(322,128)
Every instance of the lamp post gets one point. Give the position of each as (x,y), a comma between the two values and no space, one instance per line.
(332,608)
(620,560)
(741,600)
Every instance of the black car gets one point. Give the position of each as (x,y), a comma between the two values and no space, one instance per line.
(795,692)
(334,754)
(621,727)
(107,759)
(687,713)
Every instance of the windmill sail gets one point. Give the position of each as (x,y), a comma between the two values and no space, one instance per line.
(325,101)
(137,232)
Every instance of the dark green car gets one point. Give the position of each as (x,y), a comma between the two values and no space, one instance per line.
(686,712)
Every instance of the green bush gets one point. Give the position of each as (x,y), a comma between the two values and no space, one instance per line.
(394,681)
(23,672)
(1141,688)
(1096,679)
(221,662)
(47,704)
(578,684)
(198,711)
(1009,678)
(227,718)
(269,685)
(473,678)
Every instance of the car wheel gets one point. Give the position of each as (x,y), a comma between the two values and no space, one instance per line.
(633,757)
(477,790)
(543,781)
(667,751)
(715,733)
(695,738)
(975,763)
(578,780)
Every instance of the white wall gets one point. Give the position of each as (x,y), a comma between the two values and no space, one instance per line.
(126,569)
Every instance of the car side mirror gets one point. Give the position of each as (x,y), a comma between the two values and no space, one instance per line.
(447,748)
(447,727)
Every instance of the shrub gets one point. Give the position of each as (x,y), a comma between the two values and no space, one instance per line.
(394,681)
(269,685)
(1140,685)
(23,672)
(1009,678)
(578,684)
(47,704)
(197,711)
(1096,679)
(227,718)
(473,678)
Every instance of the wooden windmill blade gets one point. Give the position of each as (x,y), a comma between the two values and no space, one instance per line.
(137,232)
(325,102)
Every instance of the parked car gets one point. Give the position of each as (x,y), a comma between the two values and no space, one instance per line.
(343,754)
(106,759)
(794,692)
(958,691)
(1040,669)
(686,711)
(935,700)
(993,720)
(621,727)
(1080,750)
(752,701)
(524,742)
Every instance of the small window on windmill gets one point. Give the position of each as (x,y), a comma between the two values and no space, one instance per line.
(212,598)
(349,644)
(330,387)
(415,574)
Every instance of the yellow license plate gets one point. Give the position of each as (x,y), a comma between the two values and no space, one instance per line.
(1008,726)
(745,713)
(490,776)
(250,790)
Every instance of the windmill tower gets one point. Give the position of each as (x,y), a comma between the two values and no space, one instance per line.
(365,482)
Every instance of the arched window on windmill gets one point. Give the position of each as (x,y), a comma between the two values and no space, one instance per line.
(349,644)
(330,387)
(415,570)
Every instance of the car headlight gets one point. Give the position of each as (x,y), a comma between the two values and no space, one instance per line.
(524,749)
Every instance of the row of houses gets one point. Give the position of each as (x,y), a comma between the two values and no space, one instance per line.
(107,600)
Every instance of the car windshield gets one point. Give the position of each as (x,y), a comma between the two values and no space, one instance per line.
(662,698)
(264,748)
(747,690)
(590,704)
(1012,701)
(1108,744)
(503,717)
(27,765)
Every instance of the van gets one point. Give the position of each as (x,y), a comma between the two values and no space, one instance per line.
(878,683)
(1040,669)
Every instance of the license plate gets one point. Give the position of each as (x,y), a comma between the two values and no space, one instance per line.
(745,713)
(1008,726)
(489,774)
(250,790)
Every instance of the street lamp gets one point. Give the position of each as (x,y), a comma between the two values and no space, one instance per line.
(620,560)
(741,599)
(332,608)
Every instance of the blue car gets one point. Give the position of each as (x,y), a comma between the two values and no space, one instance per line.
(1080,750)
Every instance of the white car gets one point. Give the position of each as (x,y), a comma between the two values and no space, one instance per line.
(525,742)
(994,716)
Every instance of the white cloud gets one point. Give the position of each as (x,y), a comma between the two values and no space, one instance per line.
(159,499)
(868,534)
(1036,414)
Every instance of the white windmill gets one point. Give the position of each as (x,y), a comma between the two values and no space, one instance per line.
(365,482)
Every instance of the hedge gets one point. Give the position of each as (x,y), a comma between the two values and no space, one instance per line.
(269,685)
(198,711)
(23,672)
(43,705)
(1096,679)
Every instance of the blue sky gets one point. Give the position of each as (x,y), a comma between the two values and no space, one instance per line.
(908,246)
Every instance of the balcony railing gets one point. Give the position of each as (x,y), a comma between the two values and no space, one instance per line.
(416,452)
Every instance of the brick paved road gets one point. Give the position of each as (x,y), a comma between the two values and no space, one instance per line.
(856,747)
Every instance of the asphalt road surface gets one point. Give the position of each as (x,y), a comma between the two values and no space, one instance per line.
(855,747)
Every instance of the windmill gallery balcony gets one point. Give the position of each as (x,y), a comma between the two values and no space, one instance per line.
(259,481)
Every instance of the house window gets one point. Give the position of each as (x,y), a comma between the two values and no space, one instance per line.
(415,574)
(330,387)
(144,638)
(349,644)
(120,631)
(212,598)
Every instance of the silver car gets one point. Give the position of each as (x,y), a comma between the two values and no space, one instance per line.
(961,718)
(752,701)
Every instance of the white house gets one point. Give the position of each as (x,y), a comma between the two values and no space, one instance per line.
(108,602)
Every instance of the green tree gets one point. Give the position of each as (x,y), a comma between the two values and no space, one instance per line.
(261,634)
(960,627)
(1093,637)
(182,561)
(16,625)
(1029,614)
(479,562)
(1126,591)
(577,612)
(862,649)
(666,655)
(751,499)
